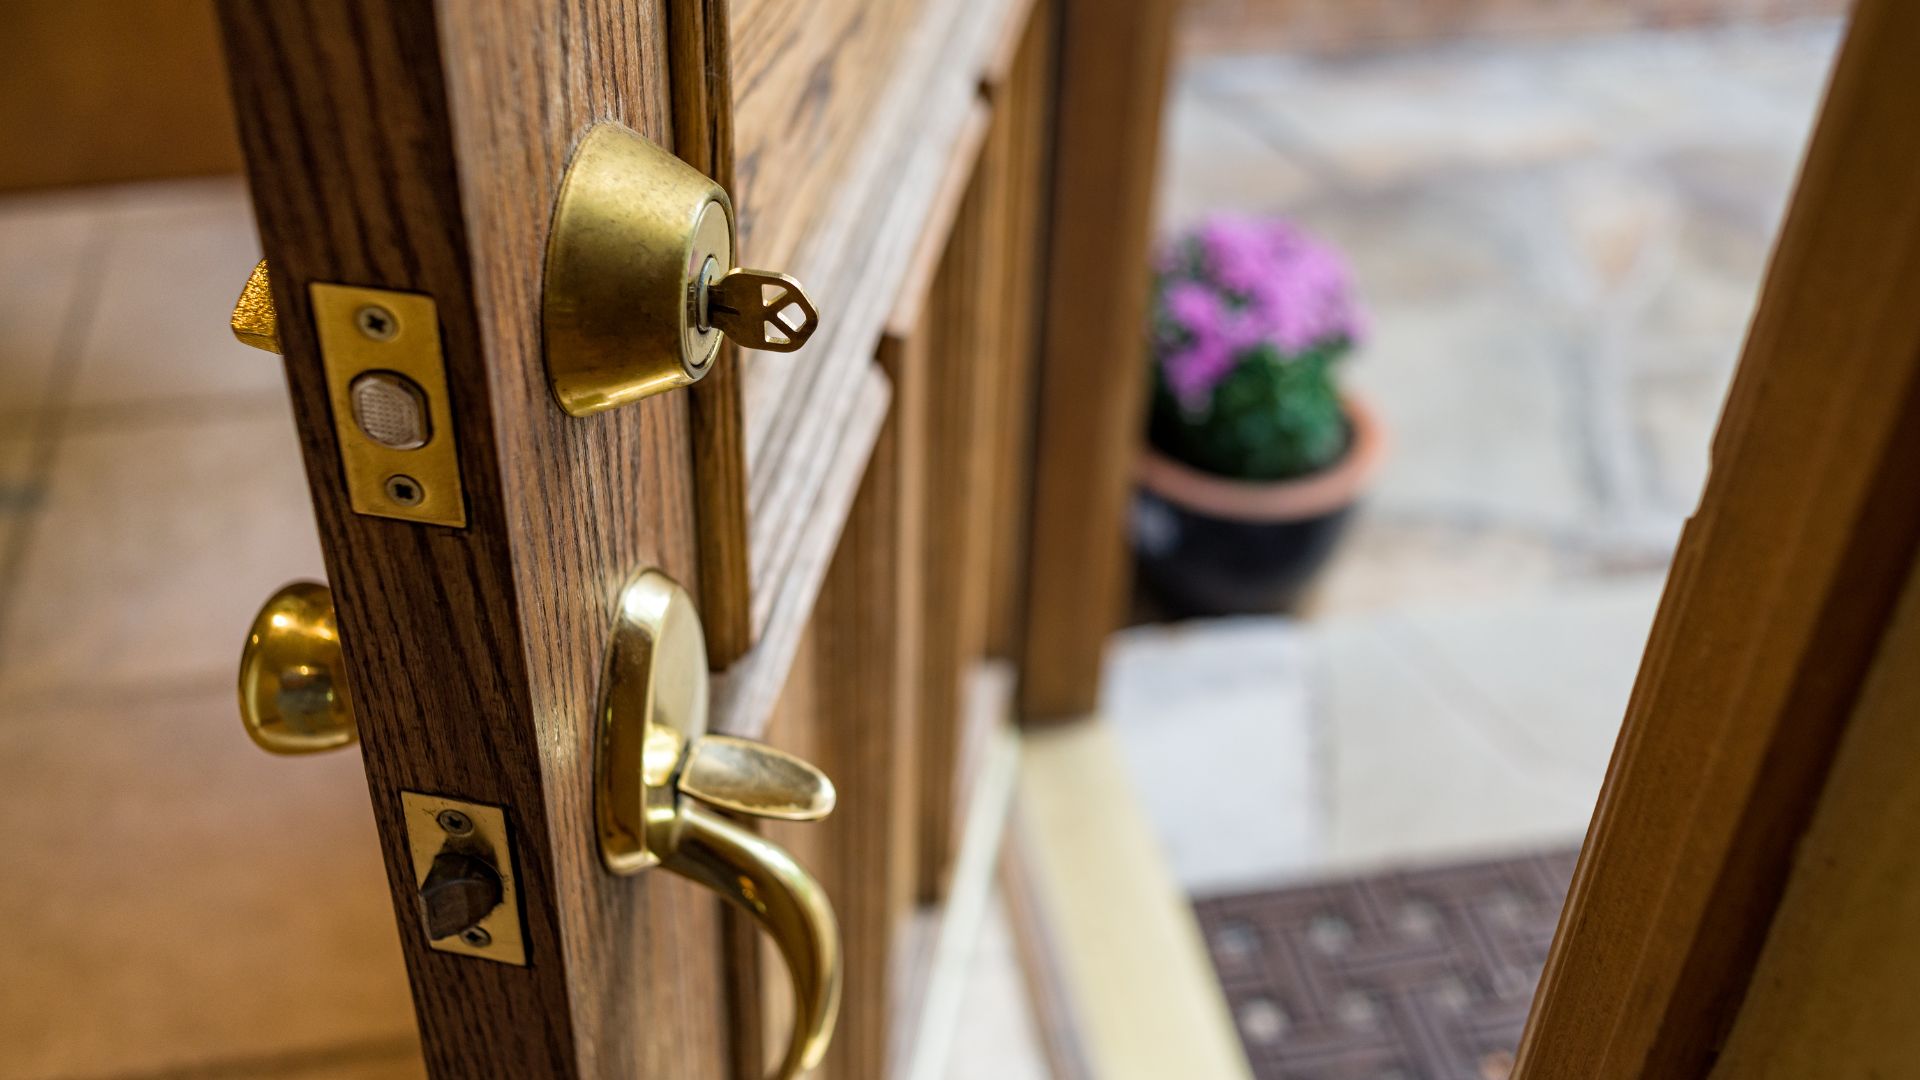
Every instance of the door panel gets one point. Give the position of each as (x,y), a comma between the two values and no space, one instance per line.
(415,147)
(841,143)
(904,729)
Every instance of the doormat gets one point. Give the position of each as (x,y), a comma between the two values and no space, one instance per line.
(1408,975)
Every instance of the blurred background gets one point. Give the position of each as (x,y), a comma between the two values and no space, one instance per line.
(1549,219)
(1556,217)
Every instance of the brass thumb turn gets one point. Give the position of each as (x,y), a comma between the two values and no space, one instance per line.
(661,777)
(293,685)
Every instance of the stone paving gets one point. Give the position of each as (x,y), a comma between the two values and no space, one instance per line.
(1560,245)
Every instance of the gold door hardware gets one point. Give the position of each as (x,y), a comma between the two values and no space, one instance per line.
(391,413)
(387,383)
(640,283)
(640,279)
(463,874)
(293,700)
(255,322)
(293,687)
(662,777)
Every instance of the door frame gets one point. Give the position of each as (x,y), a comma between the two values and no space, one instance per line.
(1782,590)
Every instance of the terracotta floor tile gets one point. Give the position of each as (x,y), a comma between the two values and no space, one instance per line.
(405,1066)
(47,242)
(174,258)
(153,547)
(17,495)
(173,896)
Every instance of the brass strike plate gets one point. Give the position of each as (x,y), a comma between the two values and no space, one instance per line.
(387,383)
(426,836)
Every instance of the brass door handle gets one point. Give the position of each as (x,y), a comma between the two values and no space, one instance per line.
(661,775)
(759,877)
(661,779)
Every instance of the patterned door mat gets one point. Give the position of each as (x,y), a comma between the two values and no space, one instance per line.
(1409,975)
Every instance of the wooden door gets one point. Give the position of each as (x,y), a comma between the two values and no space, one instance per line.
(851,517)
(417,148)
(1740,907)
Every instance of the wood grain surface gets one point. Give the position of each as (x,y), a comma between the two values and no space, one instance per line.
(744,697)
(958,334)
(96,93)
(1783,585)
(857,721)
(1831,994)
(700,68)
(404,145)
(845,215)
(1020,84)
(1112,77)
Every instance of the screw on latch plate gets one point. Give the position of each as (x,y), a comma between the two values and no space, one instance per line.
(404,490)
(377,322)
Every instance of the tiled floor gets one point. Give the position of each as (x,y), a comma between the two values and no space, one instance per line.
(175,900)
(1559,245)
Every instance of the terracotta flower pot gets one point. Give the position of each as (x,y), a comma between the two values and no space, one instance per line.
(1210,545)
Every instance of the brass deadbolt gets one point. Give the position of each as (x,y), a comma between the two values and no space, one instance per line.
(639,285)
(641,282)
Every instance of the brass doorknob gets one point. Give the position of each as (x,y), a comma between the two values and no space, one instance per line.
(661,777)
(293,687)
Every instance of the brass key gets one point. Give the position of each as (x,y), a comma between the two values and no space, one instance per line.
(758,309)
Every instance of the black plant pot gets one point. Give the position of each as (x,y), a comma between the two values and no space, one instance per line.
(1197,564)
(1210,545)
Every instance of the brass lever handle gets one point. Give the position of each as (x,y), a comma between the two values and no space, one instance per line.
(660,774)
(760,878)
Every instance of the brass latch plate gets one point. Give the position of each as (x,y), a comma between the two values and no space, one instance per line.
(501,936)
(382,348)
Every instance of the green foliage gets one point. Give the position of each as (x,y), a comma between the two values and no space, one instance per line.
(1272,417)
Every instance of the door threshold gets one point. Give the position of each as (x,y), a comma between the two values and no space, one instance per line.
(1119,974)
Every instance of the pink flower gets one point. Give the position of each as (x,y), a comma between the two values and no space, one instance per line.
(1238,283)
(1194,371)
(1195,307)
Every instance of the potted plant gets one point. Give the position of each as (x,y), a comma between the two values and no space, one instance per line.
(1255,458)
